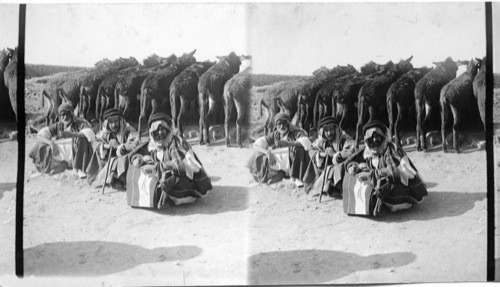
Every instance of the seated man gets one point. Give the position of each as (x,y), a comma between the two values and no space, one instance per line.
(282,153)
(71,144)
(385,165)
(182,178)
(109,162)
(328,151)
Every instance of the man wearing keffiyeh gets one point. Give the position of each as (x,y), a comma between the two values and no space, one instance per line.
(182,178)
(282,153)
(328,151)
(119,138)
(385,165)
(66,141)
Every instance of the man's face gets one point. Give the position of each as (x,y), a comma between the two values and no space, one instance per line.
(329,132)
(282,126)
(114,124)
(375,141)
(66,117)
(161,133)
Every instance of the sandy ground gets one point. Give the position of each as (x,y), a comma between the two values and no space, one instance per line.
(242,232)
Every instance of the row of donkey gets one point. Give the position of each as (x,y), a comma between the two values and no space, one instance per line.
(377,91)
(170,85)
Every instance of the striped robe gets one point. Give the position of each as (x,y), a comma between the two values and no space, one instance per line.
(182,178)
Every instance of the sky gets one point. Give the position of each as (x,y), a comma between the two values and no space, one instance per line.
(288,39)
(496,36)
(299,38)
(81,35)
(9,25)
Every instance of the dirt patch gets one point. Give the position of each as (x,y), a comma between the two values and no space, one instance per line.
(242,232)
(246,233)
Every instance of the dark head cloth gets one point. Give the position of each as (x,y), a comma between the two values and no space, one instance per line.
(112,113)
(282,116)
(65,107)
(374,124)
(327,121)
(159,117)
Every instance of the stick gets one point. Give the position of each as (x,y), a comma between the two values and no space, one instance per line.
(324,178)
(107,170)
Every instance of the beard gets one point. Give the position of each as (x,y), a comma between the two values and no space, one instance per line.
(283,130)
(163,140)
(377,151)
(66,123)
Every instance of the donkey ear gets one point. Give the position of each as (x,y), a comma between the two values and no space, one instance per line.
(437,63)
(409,59)
(243,57)
(221,58)
(192,53)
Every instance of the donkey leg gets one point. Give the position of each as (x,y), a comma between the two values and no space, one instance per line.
(457,116)
(429,112)
(359,124)
(183,110)
(398,121)
(419,115)
(445,113)
(201,108)
(211,117)
(239,122)
(228,109)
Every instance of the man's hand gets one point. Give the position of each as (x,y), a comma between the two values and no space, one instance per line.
(383,172)
(363,176)
(281,143)
(148,169)
(329,152)
(65,134)
(137,161)
(270,156)
(352,169)
(114,144)
(55,150)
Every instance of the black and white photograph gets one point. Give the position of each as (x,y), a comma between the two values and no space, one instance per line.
(248,143)
(9,27)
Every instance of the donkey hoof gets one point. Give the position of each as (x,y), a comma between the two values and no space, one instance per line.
(457,150)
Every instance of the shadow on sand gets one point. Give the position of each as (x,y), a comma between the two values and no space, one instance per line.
(6,186)
(317,266)
(218,200)
(430,184)
(437,205)
(497,269)
(96,258)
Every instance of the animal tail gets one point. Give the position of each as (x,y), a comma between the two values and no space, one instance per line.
(316,115)
(116,95)
(98,107)
(143,103)
(42,98)
(260,107)
(175,105)
(50,103)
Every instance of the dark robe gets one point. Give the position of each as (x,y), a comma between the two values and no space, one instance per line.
(177,180)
